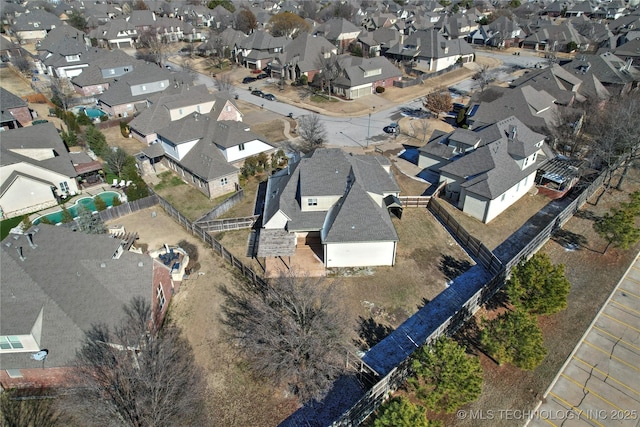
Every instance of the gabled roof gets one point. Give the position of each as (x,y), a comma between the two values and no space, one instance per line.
(60,35)
(36,20)
(607,67)
(491,170)
(430,44)
(354,69)
(8,100)
(119,91)
(332,172)
(261,40)
(157,114)
(305,51)
(76,282)
(334,28)
(536,108)
(42,139)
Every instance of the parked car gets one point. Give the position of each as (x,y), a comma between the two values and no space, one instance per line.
(262,76)
(269,96)
(257,92)
(248,80)
(392,128)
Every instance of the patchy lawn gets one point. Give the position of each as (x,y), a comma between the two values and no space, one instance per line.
(272,131)
(187,199)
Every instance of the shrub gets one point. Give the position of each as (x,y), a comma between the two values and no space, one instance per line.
(124,129)
(116,201)
(379,89)
(83,119)
(100,204)
(104,118)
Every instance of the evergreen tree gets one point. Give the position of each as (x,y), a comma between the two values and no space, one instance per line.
(97,141)
(538,286)
(445,376)
(90,223)
(400,412)
(66,215)
(514,337)
(100,204)
(618,228)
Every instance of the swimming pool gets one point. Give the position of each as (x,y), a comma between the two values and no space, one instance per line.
(56,217)
(94,113)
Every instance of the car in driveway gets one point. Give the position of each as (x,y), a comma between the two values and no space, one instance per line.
(248,80)
(269,96)
(257,93)
(262,76)
(393,128)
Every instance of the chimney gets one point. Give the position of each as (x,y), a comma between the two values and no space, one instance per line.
(22,258)
(30,239)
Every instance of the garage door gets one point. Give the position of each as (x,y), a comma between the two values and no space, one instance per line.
(358,93)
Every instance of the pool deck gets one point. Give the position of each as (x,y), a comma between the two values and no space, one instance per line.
(86,192)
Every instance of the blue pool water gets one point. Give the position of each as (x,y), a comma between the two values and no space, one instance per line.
(94,113)
(56,217)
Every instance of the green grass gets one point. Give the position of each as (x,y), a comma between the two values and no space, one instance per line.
(7,225)
(168,180)
(322,98)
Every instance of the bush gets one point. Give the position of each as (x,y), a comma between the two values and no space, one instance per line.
(83,120)
(116,201)
(104,118)
(100,204)
(379,89)
(124,129)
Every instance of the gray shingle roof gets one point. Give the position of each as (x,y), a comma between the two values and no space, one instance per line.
(304,51)
(8,100)
(41,137)
(119,91)
(492,169)
(355,67)
(332,172)
(335,27)
(35,20)
(74,279)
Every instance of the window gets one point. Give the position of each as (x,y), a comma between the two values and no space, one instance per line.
(224,181)
(241,147)
(376,72)
(161,84)
(10,343)
(64,187)
(312,202)
(144,87)
(503,196)
(160,297)
(526,160)
(126,70)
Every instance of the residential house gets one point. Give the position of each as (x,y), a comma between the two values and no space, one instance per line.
(66,53)
(376,42)
(104,70)
(535,108)
(36,171)
(361,76)
(56,284)
(458,25)
(338,31)
(226,40)
(617,75)
(8,49)
(629,51)
(565,87)
(580,8)
(430,51)
(206,151)
(136,87)
(177,103)
(504,32)
(34,25)
(302,57)
(14,111)
(556,38)
(258,49)
(115,34)
(487,170)
(338,203)
(378,20)
(167,30)
(556,8)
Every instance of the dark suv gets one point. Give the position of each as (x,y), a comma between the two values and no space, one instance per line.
(257,93)
(248,80)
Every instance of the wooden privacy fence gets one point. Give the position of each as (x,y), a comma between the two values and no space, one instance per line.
(470,243)
(218,225)
(115,212)
(414,201)
(222,208)
(456,317)
(217,247)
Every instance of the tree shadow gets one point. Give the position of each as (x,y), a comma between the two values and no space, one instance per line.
(569,240)
(498,300)
(587,214)
(452,267)
(371,332)
(423,304)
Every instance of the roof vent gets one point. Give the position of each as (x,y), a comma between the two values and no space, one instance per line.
(30,239)
(8,244)
(103,265)
(20,253)
(141,264)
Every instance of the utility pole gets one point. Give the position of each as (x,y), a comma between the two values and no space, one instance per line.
(368,130)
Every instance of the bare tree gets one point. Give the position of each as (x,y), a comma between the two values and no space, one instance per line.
(217,56)
(312,133)
(224,84)
(483,77)
(291,331)
(567,137)
(21,63)
(62,90)
(154,47)
(137,375)
(438,102)
(117,160)
(31,408)
(421,129)
(246,21)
